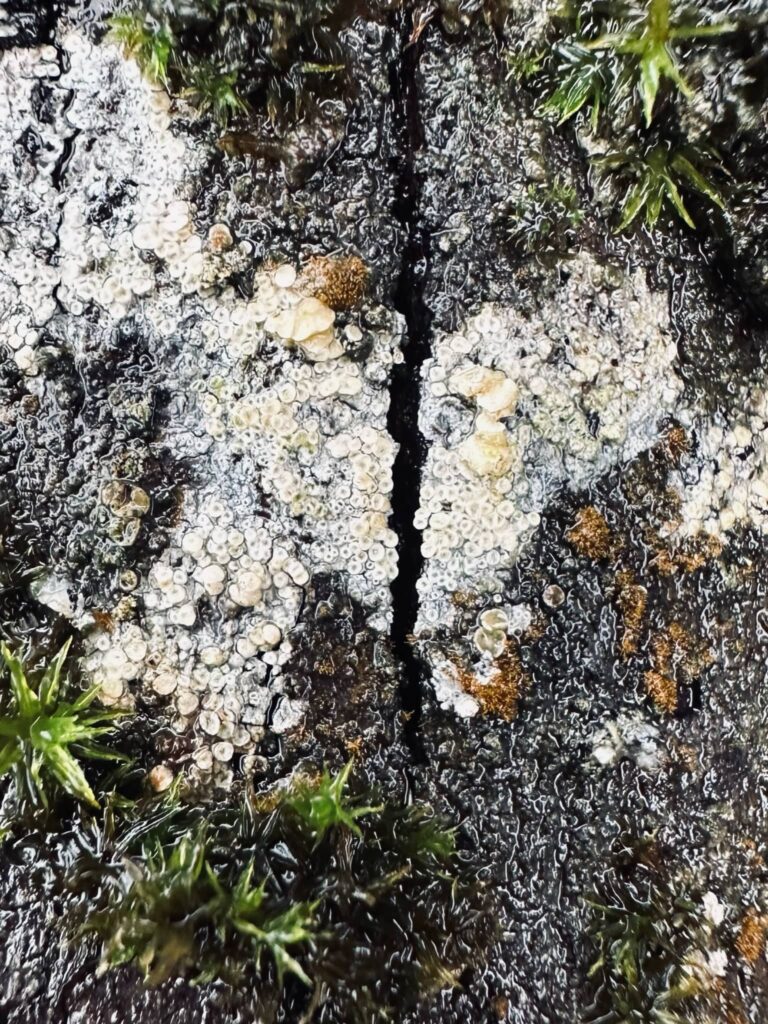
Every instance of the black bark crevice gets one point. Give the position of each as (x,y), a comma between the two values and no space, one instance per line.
(403,417)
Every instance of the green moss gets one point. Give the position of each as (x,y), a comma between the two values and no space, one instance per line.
(213,91)
(524,64)
(651,962)
(323,804)
(43,737)
(167,897)
(545,220)
(245,56)
(658,178)
(310,892)
(647,45)
(585,79)
(614,52)
(148,42)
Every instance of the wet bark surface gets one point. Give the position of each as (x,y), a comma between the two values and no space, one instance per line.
(636,678)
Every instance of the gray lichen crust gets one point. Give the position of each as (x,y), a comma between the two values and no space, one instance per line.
(518,405)
(278,408)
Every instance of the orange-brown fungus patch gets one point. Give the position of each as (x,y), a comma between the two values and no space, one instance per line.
(590,534)
(354,746)
(689,757)
(500,694)
(632,601)
(500,1005)
(325,666)
(750,942)
(338,281)
(662,690)
(660,680)
(675,656)
(690,556)
(104,620)
(675,444)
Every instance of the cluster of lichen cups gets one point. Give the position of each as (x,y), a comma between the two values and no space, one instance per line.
(305,893)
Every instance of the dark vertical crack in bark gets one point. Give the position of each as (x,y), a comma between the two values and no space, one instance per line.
(403,419)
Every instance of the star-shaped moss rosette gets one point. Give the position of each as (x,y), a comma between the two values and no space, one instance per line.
(44,737)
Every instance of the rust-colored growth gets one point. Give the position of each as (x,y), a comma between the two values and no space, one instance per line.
(693,655)
(354,746)
(662,652)
(325,666)
(535,631)
(690,556)
(675,444)
(464,599)
(674,651)
(750,942)
(689,757)
(632,601)
(500,1006)
(733,1016)
(662,690)
(664,562)
(338,281)
(590,534)
(103,620)
(669,650)
(500,694)
(265,803)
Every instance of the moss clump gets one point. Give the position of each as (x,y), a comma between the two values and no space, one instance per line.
(317,894)
(615,52)
(244,56)
(657,178)
(546,219)
(163,899)
(622,69)
(657,955)
(44,737)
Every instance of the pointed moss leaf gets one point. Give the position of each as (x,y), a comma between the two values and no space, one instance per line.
(654,204)
(51,681)
(584,80)
(287,964)
(684,167)
(702,31)
(650,73)
(86,698)
(676,199)
(635,201)
(276,933)
(69,774)
(25,697)
(10,755)
(33,764)
(324,805)
(646,49)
